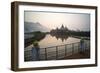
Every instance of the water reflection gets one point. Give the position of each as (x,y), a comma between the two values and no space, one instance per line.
(36,36)
(61,37)
(49,41)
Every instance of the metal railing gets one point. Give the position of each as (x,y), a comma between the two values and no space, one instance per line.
(57,52)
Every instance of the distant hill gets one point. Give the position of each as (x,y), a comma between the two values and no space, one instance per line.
(31,27)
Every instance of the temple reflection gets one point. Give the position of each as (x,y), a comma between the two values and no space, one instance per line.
(61,37)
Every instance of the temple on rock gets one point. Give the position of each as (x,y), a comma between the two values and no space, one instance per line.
(62,29)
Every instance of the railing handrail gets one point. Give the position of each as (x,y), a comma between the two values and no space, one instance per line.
(58,45)
(61,45)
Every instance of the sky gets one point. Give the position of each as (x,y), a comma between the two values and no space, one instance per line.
(52,20)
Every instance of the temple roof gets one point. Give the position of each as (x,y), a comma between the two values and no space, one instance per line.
(63,28)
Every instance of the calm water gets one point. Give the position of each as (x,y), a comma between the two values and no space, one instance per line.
(50,41)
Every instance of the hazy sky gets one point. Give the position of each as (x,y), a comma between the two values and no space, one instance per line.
(53,20)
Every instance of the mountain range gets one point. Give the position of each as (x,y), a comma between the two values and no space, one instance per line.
(32,27)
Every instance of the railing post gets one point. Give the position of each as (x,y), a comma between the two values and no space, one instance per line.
(84,47)
(72,48)
(45,53)
(56,52)
(79,47)
(65,50)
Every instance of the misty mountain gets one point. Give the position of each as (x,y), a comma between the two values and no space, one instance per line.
(31,27)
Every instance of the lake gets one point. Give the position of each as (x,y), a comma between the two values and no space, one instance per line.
(49,41)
